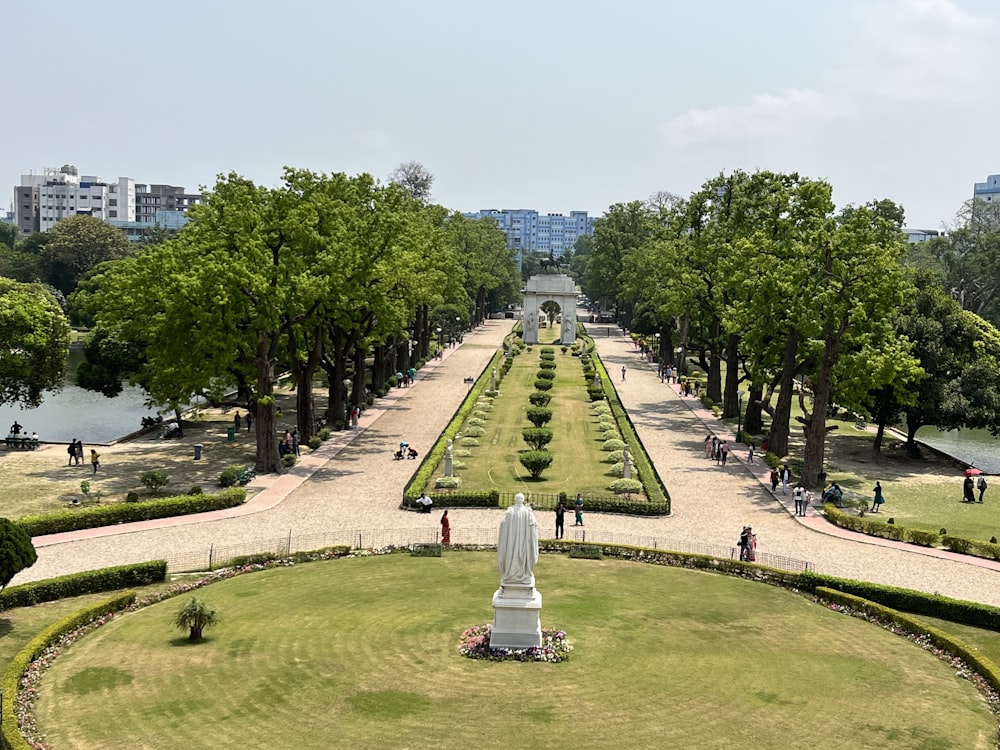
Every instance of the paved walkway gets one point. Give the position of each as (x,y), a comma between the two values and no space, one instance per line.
(353,483)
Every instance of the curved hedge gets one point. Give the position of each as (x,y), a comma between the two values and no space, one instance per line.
(12,677)
(73,519)
(78,584)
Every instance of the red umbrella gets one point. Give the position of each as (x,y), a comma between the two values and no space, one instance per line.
(972,471)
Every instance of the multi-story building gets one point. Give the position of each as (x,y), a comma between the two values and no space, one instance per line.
(528,231)
(988,191)
(57,193)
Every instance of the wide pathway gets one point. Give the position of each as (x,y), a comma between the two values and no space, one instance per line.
(356,486)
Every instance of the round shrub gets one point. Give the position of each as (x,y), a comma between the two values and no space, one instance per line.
(615,456)
(535,462)
(474,422)
(447,483)
(288,460)
(545,375)
(605,419)
(480,413)
(613,445)
(195,490)
(611,434)
(154,480)
(540,398)
(618,470)
(625,486)
(324,433)
(537,437)
(468,442)
(132,497)
(315,442)
(230,476)
(538,415)
(543,385)
(458,465)
(491,394)
(595,394)
(474,432)
(602,408)
(547,350)
(463,452)
(546,365)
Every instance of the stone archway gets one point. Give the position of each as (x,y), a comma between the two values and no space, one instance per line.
(544,288)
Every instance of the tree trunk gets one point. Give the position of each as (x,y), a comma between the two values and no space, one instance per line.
(778,437)
(912,426)
(815,423)
(268,460)
(195,635)
(359,397)
(879,434)
(731,400)
(753,422)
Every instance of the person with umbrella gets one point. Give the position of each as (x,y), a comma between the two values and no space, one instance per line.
(968,489)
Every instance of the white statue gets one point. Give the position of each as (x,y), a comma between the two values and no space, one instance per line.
(517,545)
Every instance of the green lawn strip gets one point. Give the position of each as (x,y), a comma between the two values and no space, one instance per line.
(359,655)
(984,640)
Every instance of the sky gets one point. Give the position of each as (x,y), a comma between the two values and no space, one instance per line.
(551,105)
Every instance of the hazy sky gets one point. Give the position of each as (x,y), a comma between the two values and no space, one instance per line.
(556,106)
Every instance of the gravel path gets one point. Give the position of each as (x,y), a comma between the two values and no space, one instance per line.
(361,486)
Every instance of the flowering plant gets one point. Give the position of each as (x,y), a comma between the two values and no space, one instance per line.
(476,645)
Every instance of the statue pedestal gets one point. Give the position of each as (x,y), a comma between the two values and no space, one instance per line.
(517,619)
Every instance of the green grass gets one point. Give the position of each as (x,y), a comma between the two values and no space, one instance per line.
(579,463)
(363,653)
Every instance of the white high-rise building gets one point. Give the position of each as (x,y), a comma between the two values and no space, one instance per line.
(57,193)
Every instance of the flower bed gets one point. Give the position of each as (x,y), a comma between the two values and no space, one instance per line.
(476,645)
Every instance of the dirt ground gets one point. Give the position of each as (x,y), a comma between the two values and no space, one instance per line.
(40,481)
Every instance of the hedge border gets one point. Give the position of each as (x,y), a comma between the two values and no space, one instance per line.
(110,515)
(11,732)
(88,582)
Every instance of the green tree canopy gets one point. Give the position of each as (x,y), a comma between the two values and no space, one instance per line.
(78,244)
(16,551)
(34,342)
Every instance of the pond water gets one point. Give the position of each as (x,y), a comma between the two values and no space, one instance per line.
(976,447)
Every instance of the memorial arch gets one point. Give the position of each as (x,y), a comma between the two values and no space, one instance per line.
(544,288)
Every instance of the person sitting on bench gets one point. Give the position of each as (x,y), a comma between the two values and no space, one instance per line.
(398,455)
(410,453)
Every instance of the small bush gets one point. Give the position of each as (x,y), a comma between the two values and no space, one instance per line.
(447,483)
(595,394)
(482,412)
(539,415)
(613,445)
(543,385)
(614,457)
(468,442)
(463,453)
(625,486)
(547,366)
(537,437)
(923,538)
(536,462)
(606,419)
(288,460)
(545,375)
(546,350)
(315,442)
(324,433)
(474,431)
(230,476)
(132,497)
(154,480)
(475,422)
(195,490)
(601,408)
(771,459)
(540,398)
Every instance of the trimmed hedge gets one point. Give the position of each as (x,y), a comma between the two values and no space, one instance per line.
(457,499)
(78,584)
(73,519)
(12,677)
(877,527)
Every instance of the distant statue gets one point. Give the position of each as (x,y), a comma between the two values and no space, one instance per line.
(493,379)
(449,461)
(626,463)
(517,545)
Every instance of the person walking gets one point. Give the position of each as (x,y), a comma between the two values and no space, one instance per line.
(249,421)
(786,476)
(750,451)
(71,450)
(724,450)
(709,443)
(578,509)
(878,499)
(623,372)
(79,453)
(968,490)
(445,529)
(799,494)
(237,420)
(95,459)
(774,480)
(560,520)
(981,485)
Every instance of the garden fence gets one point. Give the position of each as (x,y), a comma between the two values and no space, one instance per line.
(221,555)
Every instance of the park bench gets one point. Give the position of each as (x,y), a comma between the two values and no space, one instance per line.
(21,443)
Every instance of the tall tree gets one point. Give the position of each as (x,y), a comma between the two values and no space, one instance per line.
(415,179)
(34,343)
(78,244)
(16,551)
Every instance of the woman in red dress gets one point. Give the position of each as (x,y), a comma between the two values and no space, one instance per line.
(445,529)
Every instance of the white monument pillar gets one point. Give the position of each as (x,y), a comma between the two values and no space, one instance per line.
(517,605)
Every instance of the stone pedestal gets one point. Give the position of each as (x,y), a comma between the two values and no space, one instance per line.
(517,621)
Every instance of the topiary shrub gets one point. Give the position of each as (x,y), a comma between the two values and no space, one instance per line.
(463,452)
(613,445)
(549,366)
(595,394)
(482,413)
(602,408)
(288,460)
(468,442)
(614,457)
(132,497)
(537,437)
(324,433)
(606,419)
(447,483)
(535,462)
(543,385)
(474,422)
(545,375)
(611,433)
(625,486)
(540,398)
(154,480)
(474,431)
(230,476)
(546,350)
(195,490)
(538,415)
(315,442)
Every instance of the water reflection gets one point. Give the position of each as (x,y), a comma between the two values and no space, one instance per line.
(976,447)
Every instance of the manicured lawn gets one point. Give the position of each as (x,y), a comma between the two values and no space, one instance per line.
(363,653)
(579,464)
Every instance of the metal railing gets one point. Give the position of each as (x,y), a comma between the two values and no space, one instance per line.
(221,555)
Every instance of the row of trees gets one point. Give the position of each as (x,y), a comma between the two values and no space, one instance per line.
(758,272)
(327,273)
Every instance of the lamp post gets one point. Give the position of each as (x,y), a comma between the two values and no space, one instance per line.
(739,415)
(440,332)
(458,326)
(681,370)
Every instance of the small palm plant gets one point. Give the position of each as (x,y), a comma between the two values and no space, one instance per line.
(195,616)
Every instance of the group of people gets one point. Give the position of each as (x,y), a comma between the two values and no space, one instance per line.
(969,487)
(668,374)
(238,420)
(405,377)
(289,443)
(803,499)
(16,440)
(75,451)
(716,448)
(689,388)
(405,451)
(561,515)
(748,544)
(780,475)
